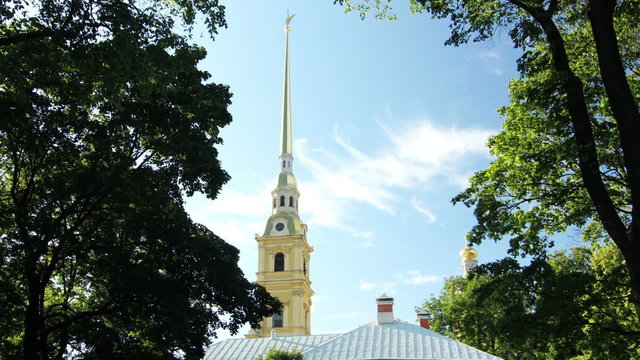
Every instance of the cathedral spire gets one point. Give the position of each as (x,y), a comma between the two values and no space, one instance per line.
(283,251)
(286,153)
(285,196)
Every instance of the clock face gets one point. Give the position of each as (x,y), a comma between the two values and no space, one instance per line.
(279,226)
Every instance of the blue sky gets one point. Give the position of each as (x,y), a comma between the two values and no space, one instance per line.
(388,125)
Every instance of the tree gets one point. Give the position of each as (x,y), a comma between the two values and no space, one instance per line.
(572,305)
(107,123)
(274,354)
(568,154)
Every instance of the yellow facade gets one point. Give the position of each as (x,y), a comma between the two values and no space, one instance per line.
(291,284)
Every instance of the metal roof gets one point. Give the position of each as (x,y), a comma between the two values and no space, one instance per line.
(399,340)
(251,348)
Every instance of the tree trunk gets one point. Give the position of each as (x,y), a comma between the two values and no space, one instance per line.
(35,342)
(623,105)
(33,324)
(627,117)
(632,258)
(587,155)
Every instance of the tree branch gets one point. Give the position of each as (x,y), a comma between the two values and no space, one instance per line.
(68,320)
(34,35)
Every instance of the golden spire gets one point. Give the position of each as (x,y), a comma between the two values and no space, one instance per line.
(286,136)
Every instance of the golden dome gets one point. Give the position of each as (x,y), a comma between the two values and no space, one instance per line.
(468,253)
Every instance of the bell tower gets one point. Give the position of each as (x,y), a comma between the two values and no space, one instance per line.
(469,257)
(283,250)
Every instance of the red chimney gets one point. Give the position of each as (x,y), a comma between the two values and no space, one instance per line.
(385,309)
(424,320)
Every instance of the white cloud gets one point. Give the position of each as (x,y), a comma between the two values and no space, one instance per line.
(241,234)
(387,287)
(490,54)
(231,201)
(414,156)
(365,244)
(489,60)
(236,232)
(416,277)
(424,279)
(430,218)
(349,315)
(237,229)
(411,156)
(366,286)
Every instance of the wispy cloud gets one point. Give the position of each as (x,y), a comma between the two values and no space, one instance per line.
(416,277)
(388,287)
(366,286)
(490,61)
(430,218)
(349,315)
(364,244)
(231,201)
(413,157)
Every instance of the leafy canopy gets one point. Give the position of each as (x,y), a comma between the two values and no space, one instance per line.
(107,124)
(275,354)
(572,305)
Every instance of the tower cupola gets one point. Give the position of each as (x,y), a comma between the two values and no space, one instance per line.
(469,257)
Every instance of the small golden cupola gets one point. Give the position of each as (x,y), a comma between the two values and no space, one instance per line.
(469,257)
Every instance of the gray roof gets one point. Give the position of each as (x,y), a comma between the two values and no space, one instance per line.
(399,340)
(251,348)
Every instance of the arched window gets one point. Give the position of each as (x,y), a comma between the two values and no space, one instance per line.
(291,201)
(282,200)
(274,203)
(278,262)
(277,320)
(304,266)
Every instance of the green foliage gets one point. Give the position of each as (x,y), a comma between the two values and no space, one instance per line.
(567,158)
(107,123)
(568,155)
(572,305)
(274,354)
(534,189)
(381,8)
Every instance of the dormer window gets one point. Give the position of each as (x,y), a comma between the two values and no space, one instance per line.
(278,262)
